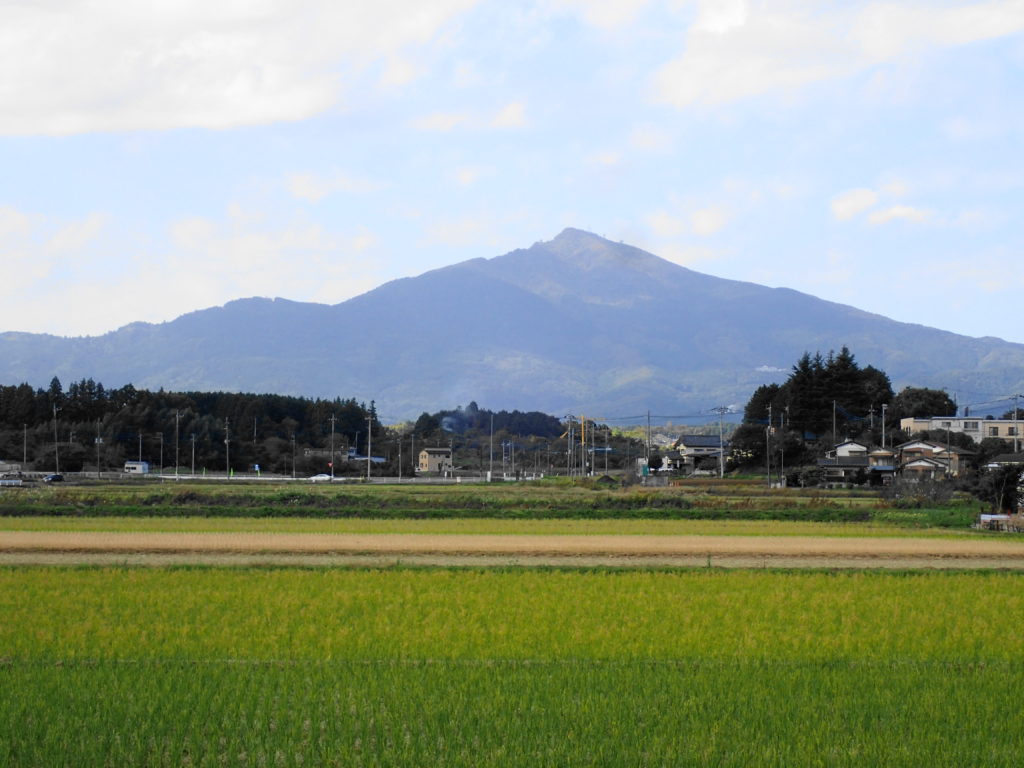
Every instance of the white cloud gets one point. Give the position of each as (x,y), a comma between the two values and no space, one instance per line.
(664,224)
(60,275)
(899,213)
(977,219)
(972,129)
(895,188)
(848,204)
(76,234)
(605,158)
(686,219)
(482,230)
(837,271)
(606,14)
(466,75)
(13,223)
(649,138)
(73,66)
(314,188)
(462,231)
(440,122)
(399,71)
(468,175)
(739,49)
(708,221)
(512,115)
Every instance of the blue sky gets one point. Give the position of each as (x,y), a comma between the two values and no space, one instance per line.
(164,157)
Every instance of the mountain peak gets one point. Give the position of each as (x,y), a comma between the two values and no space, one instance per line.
(587,251)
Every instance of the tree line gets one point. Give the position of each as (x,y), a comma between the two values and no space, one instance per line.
(87,420)
(47,428)
(830,398)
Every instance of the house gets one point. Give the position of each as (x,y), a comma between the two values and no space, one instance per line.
(136,467)
(851,460)
(845,462)
(1004,459)
(978,429)
(435,460)
(924,459)
(689,451)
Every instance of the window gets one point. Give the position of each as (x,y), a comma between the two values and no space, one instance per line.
(971,426)
(946,424)
(1011,431)
(993,431)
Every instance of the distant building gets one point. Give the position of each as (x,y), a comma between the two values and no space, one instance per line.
(435,460)
(136,467)
(1004,459)
(978,429)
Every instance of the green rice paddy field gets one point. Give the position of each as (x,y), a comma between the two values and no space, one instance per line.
(509,667)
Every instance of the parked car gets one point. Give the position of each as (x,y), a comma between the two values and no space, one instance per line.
(53,479)
(321,478)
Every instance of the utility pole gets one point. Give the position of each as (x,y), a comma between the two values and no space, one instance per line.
(140,445)
(369,444)
(56,448)
(782,449)
(583,445)
(884,406)
(193,455)
(227,448)
(293,456)
(768,447)
(1016,424)
(648,454)
(24,446)
(333,419)
(98,441)
(593,452)
(177,428)
(568,448)
(490,466)
(835,436)
(721,411)
(161,436)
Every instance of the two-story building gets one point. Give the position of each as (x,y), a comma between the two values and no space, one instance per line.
(693,452)
(852,460)
(978,429)
(924,459)
(845,461)
(437,460)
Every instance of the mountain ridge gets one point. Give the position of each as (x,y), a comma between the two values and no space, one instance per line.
(577,322)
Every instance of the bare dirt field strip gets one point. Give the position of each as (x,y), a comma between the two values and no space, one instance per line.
(465,549)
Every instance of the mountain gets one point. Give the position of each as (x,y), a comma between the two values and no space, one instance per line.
(575,324)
